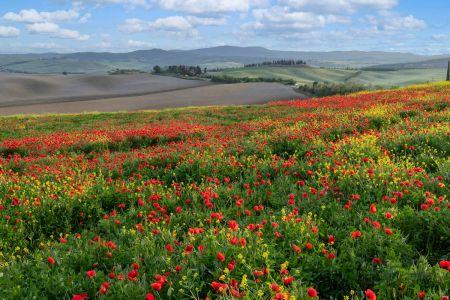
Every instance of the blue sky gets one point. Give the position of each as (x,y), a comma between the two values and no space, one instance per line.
(306,25)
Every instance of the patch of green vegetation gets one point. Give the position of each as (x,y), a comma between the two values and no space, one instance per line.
(125,71)
(308,75)
(329,89)
(230,79)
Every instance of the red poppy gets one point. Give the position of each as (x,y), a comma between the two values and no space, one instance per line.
(288,280)
(296,248)
(275,287)
(156,286)
(219,287)
(312,293)
(376,224)
(188,249)
(370,294)
(80,296)
(331,256)
(90,273)
(233,225)
(103,290)
(356,234)
(331,239)
(132,275)
(377,260)
(444,264)
(230,267)
(51,260)
(220,256)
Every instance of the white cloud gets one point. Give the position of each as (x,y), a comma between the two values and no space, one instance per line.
(338,6)
(176,25)
(33,16)
(104,45)
(85,18)
(440,37)
(8,31)
(128,3)
(77,5)
(391,21)
(307,20)
(408,22)
(46,22)
(54,30)
(207,21)
(139,44)
(48,46)
(276,18)
(210,6)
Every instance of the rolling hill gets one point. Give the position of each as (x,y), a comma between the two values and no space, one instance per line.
(425,64)
(223,56)
(305,75)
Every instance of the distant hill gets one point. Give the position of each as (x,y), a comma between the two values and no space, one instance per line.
(318,59)
(438,63)
(308,75)
(215,57)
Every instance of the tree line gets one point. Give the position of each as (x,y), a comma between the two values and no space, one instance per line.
(281,62)
(230,79)
(325,89)
(180,70)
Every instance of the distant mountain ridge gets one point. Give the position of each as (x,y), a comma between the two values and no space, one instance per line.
(221,56)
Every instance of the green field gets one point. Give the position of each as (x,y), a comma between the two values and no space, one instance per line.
(343,197)
(305,75)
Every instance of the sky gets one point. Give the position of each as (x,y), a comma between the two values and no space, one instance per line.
(32,26)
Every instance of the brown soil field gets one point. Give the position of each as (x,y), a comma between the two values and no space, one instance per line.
(42,94)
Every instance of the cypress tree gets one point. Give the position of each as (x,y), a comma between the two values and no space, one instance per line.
(448,71)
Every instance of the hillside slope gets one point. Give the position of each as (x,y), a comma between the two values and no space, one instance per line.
(223,56)
(440,63)
(303,74)
(28,94)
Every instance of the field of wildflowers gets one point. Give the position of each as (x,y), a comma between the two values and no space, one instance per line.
(345,197)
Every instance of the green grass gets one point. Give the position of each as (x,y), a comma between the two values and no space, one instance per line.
(305,75)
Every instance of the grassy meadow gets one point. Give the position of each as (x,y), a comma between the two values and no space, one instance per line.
(307,75)
(344,197)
